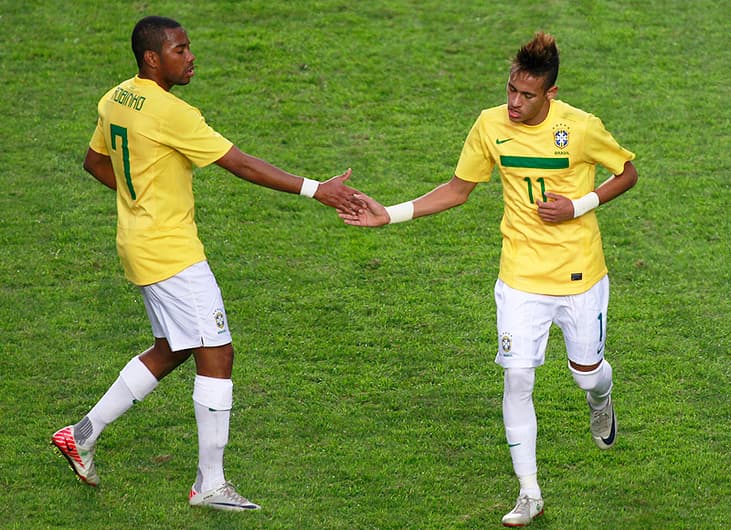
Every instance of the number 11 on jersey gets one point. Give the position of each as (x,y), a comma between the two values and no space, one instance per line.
(540,181)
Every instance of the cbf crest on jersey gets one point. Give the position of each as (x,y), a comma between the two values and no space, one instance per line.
(561,135)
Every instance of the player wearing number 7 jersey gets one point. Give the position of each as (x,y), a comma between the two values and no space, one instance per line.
(552,267)
(145,146)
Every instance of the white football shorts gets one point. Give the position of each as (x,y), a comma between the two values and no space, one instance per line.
(524,320)
(187,309)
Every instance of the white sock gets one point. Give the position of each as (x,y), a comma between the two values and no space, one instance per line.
(212,400)
(529,486)
(597,384)
(521,427)
(134,383)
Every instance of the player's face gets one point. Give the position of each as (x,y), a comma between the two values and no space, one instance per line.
(176,59)
(528,100)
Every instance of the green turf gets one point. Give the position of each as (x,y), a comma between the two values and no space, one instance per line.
(366,396)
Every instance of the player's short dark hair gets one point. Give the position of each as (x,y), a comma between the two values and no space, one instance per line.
(149,34)
(539,58)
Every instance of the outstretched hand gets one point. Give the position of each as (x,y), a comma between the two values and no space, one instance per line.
(333,192)
(371,213)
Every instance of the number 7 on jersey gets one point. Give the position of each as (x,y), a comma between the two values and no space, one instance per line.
(116,131)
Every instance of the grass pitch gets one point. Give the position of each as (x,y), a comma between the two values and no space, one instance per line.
(365,390)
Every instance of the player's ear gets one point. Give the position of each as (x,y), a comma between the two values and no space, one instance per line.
(552,92)
(152,59)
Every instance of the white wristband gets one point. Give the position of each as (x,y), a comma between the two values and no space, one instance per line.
(401,212)
(585,204)
(309,187)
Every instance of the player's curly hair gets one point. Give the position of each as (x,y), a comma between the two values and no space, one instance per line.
(539,58)
(149,34)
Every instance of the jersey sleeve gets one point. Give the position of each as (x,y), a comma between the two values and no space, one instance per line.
(603,149)
(97,142)
(475,163)
(188,133)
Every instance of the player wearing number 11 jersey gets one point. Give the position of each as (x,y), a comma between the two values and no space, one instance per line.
(552,267)
(558,155)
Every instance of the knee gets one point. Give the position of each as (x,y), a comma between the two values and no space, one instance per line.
(215,361)
(224,355)
(161,360)
(519,381)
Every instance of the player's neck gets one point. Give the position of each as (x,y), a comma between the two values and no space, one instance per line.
(146,74)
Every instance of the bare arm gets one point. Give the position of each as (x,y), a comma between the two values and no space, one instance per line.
(447,195)
(616,185)
(559,208)
(443,197)
(332,192)
(100,167)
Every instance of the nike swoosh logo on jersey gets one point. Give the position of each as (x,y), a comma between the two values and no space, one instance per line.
(499,141)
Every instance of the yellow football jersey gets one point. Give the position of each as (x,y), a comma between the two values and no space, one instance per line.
(154,139)
(558,155)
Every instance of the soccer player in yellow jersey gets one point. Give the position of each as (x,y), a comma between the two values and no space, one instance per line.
(145,146)
(552,266)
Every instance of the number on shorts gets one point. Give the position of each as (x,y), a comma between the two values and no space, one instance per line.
(600,318)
